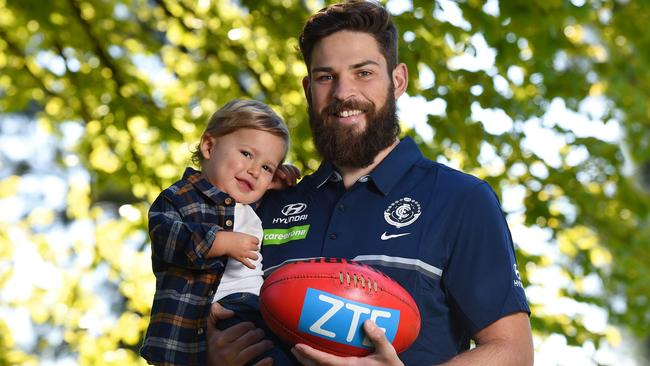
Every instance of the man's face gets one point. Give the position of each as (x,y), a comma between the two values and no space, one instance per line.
(351,99)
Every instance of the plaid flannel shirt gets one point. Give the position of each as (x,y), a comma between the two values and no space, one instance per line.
(183,222)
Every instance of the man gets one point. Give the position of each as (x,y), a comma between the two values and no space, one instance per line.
(438,232)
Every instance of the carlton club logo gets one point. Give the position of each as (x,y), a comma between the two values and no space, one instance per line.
(402,212)
(293,209)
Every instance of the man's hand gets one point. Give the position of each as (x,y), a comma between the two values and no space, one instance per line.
(384,352)
(236,345)
(239,246)
(285,176)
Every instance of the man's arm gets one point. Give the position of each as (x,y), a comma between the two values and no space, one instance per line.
(507,341)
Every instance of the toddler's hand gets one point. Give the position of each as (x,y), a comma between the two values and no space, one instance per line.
(285,176)
(239,246)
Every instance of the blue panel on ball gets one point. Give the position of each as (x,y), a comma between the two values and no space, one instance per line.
(340,320)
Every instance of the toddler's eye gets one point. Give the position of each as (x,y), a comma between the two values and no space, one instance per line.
(246,153)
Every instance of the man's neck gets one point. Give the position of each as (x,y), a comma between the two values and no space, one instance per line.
(351,175)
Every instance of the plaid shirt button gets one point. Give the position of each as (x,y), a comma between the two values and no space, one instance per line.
(200,331)
(228,223)
(228,201)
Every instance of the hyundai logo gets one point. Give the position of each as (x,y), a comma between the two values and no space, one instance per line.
(294,209)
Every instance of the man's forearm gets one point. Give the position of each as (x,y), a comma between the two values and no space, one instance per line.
(507,341)
(496,353)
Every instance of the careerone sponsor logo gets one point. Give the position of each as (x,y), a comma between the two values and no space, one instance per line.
(281,236)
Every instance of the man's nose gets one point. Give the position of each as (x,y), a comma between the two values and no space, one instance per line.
(344,88)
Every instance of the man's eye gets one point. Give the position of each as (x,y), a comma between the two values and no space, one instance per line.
(364,73)
(325,78)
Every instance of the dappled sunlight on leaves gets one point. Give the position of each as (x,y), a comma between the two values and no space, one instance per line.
(141,79)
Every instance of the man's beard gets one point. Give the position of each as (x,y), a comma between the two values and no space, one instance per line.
(346,146)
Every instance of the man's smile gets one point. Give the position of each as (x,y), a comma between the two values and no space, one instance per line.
(349,113)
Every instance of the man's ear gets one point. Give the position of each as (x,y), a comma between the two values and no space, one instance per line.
(206,145)
(400,79)
(306,88)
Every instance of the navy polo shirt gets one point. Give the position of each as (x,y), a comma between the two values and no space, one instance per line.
(438,232)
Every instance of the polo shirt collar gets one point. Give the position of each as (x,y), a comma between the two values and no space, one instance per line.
(326,172)
(392,169)
(386,175)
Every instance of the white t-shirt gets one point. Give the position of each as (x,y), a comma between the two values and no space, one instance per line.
(237,277)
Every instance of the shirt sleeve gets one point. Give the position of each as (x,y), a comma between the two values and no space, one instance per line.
(482,278)
(181,242)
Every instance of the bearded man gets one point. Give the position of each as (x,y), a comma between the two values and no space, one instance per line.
(438,232)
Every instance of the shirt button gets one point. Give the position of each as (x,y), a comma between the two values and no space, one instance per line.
(228,201)
(210,293)
(341,207)
(333,236)
(229,223)
(200,331)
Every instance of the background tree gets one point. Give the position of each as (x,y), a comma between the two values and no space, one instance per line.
(135,80)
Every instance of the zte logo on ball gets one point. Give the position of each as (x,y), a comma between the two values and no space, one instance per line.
(341,320)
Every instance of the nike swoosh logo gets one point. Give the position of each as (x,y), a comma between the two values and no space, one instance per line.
(385,236)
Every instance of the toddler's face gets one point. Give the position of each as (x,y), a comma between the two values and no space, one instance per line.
(242,163)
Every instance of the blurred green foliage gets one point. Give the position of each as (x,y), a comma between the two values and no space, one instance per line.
(142,76)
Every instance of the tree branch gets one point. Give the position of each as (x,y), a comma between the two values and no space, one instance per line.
(101,53)
(19,53)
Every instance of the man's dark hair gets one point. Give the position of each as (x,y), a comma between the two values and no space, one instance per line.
(353,15)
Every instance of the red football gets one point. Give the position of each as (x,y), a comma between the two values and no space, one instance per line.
(324,302)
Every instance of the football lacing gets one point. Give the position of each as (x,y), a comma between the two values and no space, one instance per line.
(372,284)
